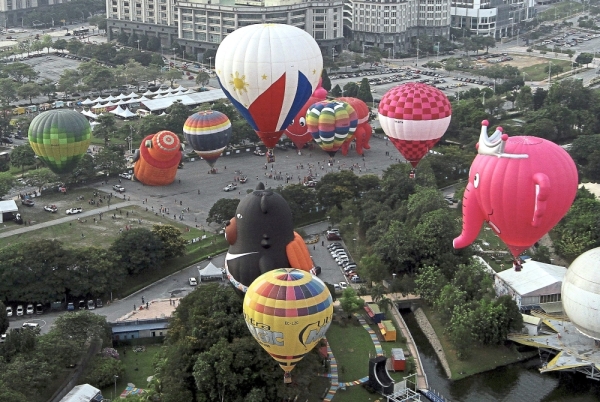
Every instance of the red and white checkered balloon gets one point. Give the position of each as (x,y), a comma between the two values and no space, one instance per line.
(414,116)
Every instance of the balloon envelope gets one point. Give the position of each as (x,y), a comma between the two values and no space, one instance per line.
(268,71)
(160,155)
(414,116)
(288,311)
(330,123)
(60,138)
(520,186)
(297,131)
(208,132)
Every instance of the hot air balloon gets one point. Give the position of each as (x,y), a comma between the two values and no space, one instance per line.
(414,116)
(268,72)
(158,158)
(60,138)
(208,132)
(330,123)
(520,186)
(288,311)
(363,132)
(297,131)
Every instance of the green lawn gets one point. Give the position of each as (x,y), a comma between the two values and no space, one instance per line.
(483,358)
(537,72)
(138,367)
(560,10)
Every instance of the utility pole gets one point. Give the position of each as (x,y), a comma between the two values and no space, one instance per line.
(549,73)
(418,41)
(333,53)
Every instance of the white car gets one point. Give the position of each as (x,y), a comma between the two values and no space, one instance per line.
(19,310)
(119,188)
(29,309)
(193,281)
(125,175)
(229,187)
(72,211)
(9,311)
(343,285)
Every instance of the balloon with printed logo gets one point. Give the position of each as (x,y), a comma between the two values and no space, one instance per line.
(60,138)
(414,116)
(288,312)
(331,123)
(268,72)
(208,132)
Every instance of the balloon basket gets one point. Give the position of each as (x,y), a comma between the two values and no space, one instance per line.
(287,378)
(270,155)
(412,174)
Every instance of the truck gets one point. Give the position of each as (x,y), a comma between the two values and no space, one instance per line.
(230,187)
(58,104)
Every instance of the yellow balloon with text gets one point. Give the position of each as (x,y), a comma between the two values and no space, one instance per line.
(288,312)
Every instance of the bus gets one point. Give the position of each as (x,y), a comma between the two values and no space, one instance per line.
(81,32)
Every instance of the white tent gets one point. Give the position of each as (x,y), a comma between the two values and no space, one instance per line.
(210,272)
(87,102)
(163,113)
(6,209)
(189,91)
(111,98)
(132,95)
(110,103)
(127,114)
(163,91)
(121,102)
(98,100)
(117,111)
(89,113)
(143,98)
(148,93)
(159,96)
(122,96)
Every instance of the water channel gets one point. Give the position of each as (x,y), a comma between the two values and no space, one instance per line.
(520,382)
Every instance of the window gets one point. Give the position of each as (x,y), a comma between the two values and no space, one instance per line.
(550,298)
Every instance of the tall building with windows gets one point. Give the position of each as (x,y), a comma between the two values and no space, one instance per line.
(393,24)
(497,18)
(202,25)
(12,12)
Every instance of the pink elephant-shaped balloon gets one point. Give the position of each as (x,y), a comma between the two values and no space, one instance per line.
(520,186)
(363,132)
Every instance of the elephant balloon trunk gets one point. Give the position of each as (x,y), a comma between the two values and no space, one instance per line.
(472,219)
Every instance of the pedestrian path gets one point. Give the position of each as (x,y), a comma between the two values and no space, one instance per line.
(333,366)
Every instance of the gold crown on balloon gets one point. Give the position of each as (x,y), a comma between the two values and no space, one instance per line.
(494,144)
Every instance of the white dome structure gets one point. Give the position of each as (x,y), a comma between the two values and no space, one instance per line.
(581,293)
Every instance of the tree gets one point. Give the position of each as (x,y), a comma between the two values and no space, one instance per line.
(350,90)
(364,92)
(85,169)
(335,188)
(95,272)
(202,78)
(350,302)
(584,58)
(3,318)
(46,42)
(524,98)
(138,250)
(174,244)
(336,91)
(40,177)
(111,159)
(68,81)
(8,91)
(326,82)
(177,115)
(60,44)
(20,72)
(172,75)
(301,199)
(106,127)
(373,268)
(222,210)
(22,156)
(47,88)
(7,181)
(29,90)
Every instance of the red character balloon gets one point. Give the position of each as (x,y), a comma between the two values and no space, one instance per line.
(414,116)
(520,186)
(363,132)
(298,130)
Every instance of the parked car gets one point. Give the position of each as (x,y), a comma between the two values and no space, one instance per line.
(39,308)
(333,236)
(6,140)
(70,307)
(119,188)
(72,211)
(337,288)
(81,305)
(91,305)
(29,309)
(19,137)
(192,281)
(316,271)
(125,175)
(20,310)
(9,311)
(28,202)
(99,303)
(51,208)
(356,279)
(32,325)
(259,153)
(343,285)
(229,187)
(243,179)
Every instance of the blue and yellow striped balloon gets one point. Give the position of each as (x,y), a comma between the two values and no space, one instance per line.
(330,123)
(208,132)
(288,311)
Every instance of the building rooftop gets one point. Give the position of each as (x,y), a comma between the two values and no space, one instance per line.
(533,277)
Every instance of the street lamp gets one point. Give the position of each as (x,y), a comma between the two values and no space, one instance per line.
(210,63)
(115,394)
(138,43)
(418,42)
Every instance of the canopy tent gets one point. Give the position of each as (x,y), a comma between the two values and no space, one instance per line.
(134,100)
(143,98)
(148,93)
(127,114)
(7,208)
(98,100)
(110,103)
(187,99)
(111,98)
(87,102)
(189,91)
(89,113)
(121,102)
(117,111)
(122,96)
(132,95)
(210,272)
(163,91)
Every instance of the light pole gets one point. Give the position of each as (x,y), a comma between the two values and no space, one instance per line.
(138,43)
(549,73)
(115,394)
(418,42)
(210,64)
(333,53)
(438,52)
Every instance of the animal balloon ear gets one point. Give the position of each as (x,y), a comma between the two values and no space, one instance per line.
(148,144)
(260,186)
(264,200)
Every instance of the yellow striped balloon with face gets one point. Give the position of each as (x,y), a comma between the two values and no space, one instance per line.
(288,311)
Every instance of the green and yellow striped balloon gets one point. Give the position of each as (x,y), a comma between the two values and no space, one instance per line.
(60,138)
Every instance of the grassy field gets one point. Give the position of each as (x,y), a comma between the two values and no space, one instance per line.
(483,358)
(138,367)
(560,10)
(537,72)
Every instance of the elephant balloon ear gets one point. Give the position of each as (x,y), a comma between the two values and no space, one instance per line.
(260,186)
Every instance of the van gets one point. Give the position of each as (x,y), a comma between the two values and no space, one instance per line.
(32,325)
(356,279)
(142,112)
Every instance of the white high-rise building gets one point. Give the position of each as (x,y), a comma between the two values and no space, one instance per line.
(12,12)
(497,18)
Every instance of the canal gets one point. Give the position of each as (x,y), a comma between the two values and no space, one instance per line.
(520,382)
